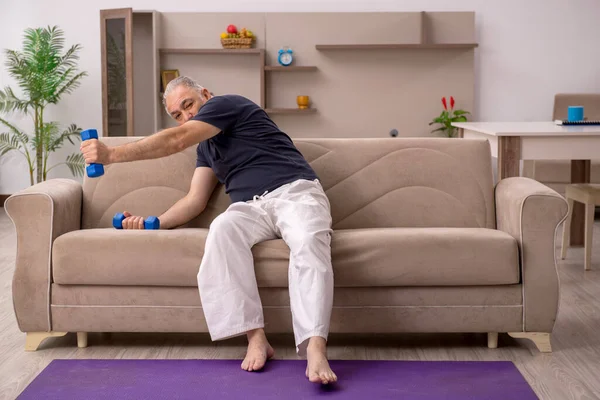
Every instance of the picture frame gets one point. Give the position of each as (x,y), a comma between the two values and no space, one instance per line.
(167,76)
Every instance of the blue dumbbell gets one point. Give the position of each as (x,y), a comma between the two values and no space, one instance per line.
(149,223)
(93,170)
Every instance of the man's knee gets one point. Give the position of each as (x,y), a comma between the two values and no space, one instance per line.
(226,223)
(304,241)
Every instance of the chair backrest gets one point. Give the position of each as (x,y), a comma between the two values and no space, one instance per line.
(371,183)
(589,101)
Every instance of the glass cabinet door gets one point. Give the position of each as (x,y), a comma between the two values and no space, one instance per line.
(117,71)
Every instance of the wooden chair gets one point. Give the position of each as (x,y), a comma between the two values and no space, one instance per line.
(589,195)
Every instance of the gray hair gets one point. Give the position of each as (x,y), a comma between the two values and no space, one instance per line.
(180,81)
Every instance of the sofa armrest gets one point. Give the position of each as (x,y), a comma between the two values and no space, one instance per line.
(531,212)
(40,214)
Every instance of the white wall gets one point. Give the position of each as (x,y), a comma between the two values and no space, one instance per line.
(529,50)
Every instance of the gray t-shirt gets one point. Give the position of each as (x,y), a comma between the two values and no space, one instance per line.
(251,154)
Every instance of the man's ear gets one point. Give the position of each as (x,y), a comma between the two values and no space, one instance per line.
(206,94)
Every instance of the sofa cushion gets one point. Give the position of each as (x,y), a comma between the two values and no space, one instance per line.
(361,257)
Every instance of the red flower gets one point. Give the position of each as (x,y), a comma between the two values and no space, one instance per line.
(444,103)
(451,103)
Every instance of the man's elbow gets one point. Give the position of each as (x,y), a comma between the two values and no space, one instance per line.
(201,206)
(196,204)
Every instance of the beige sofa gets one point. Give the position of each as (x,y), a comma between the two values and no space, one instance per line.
(423,242)
(557,173)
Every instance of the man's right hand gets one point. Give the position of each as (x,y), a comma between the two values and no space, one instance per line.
(96,152)
(132,221)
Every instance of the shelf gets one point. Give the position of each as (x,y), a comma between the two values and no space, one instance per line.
(210,51)
(398,46)
(273,111)
(290,68)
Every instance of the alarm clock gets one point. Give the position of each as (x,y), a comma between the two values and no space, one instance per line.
(285,56)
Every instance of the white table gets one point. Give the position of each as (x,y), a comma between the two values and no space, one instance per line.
(512,142)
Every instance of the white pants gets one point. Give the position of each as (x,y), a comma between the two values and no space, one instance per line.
(299,213)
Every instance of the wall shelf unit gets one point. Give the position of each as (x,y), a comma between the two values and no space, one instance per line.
(291,68)
(210,51)
(297,111)
(398,46)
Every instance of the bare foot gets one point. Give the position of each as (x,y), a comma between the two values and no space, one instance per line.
(317,366)
(259,351)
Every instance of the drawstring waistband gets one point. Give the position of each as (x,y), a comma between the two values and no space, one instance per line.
(280,188)
(262,196)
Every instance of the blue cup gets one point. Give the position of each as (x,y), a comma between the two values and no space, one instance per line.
(575,113)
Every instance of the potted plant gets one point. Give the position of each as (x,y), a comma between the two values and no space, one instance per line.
(44,74)
(447,117)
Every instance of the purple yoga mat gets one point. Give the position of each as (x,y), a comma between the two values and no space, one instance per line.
(281,379)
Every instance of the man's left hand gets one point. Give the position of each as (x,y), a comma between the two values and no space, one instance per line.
(95,152)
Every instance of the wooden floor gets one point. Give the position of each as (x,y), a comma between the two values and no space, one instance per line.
(572,371)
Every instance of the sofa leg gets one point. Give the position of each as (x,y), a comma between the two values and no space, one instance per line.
(541,339)
(34,339)
(493,340)
(82,339)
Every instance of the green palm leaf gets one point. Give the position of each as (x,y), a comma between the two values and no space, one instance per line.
(68,87)
(76,164)
(68,60)
(22,136)
(16,64)
(56,140)
(9,143)
(10,103)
